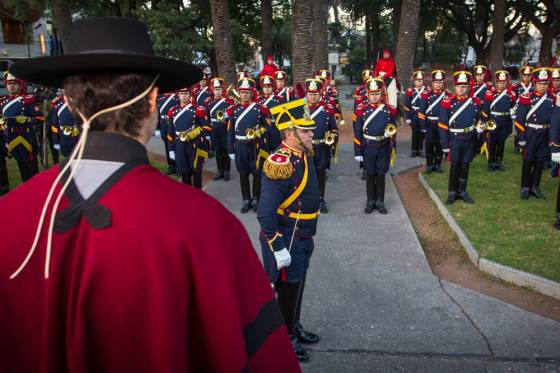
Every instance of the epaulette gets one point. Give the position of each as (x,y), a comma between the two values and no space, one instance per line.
(171,112)
(200,111)
(525,99)
(409,92)
(278,165)
(446,102)
(264,110)
(392,110)
(425,94)
(230,109)
(359,110)
(207,101)
(476,101)
(489,95)
(28,99)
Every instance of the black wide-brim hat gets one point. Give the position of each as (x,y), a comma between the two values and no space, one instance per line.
(107,44)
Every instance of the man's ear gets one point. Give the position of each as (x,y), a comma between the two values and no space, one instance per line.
(152,101)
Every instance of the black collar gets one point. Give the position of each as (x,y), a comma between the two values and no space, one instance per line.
(114,147)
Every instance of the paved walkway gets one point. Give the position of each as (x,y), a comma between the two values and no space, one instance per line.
(378,307)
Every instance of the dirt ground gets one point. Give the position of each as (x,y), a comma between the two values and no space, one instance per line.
(448,259)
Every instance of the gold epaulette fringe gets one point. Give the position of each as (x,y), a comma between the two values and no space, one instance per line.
(278,167)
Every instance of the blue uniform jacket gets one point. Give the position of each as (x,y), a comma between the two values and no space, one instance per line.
(20,113)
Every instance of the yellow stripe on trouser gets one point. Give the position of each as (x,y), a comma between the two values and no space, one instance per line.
(200,153)
(19,141)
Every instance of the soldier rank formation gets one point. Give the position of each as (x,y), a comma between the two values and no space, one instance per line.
(283,140)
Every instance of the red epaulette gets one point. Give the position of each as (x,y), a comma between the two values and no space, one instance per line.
(329,108)
(446,102)
(28,99)
(264,110)
(359,110)
(200,111)
(229,102)
(525,99)
(230,110)
(489,95)
(171,112)
(392,110)
(55,102)
(409,92)
(476,101)
(425,94)
(207,101)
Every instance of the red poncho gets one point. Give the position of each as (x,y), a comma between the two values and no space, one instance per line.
(171,285)
(385,67)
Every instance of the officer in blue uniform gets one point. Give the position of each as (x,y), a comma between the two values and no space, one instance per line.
(281,86)
(20,116)
(411,107)
(202,92)
(428,115)
(269,99)
(498,108)
(479,87)
(216,109)
(325,135)
(330,95)
(187,141)
(164,103)
(524,86)
(458,134)
(374,142)
(532,122)
(66,132)
(247,126)
(288,214)
(555,152)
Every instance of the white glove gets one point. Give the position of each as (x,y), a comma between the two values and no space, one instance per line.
(446,150)
(424,131)
(408,121)
(232,157)
(522,143)
(283,258)
(359,158)
(172,155)
(386,134)
(158,133)
(555,157)
(512,113)
(479,130)
(207,138)
(342,122)
(56,146)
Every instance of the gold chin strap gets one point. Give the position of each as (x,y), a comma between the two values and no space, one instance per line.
(76,155)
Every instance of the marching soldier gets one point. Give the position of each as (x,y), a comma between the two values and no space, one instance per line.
(532,122)
(428,115)
(66,132)
(20,113)
(187,142)
(248,122)
(201,92)
(288,214)
(325,135)
(216,109)
(496,111)
(524,86)
(457,119)
(270,100)
(374,143)
(280,80)
(411,107)
(164,103)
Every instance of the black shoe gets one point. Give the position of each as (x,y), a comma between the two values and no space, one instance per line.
(438,169)
(255,204)
(491,167)
(323,207)
(381,207)
(420,153)
(305,337)
(537,193)
(557,224)
(364,175)
(451,197)
(170,170)
(429,169)
(500,167)
(524,193)
(300,352)
(413,154)
(246,206)
(465,197)
(227,176)
(370,206)
(219,175)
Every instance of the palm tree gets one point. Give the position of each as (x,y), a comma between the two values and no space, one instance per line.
(406,38)
(223,43)
(266,15)
(498,31)
(321,33)
(302,40)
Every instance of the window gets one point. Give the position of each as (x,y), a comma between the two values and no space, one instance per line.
(14,31)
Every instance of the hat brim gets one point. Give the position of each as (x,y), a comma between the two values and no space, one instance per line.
(51,71)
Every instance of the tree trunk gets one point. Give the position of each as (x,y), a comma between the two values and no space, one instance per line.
(223,43)
(406,38)
(335,11)
(266,15)
(62,18)
(369,53)
(375,34)
(498,26)
(302,41)
(397,9)
(321,34)
(545,52)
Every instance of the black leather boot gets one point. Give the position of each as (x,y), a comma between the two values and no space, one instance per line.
(557,224)
(380,189)
(246,206)
(537,173)
(303,336)
(300,352)
(451,197)
(370,206)
(323,207)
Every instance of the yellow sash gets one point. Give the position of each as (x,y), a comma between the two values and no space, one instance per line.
(284,205)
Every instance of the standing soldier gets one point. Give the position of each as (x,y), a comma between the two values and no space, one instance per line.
(248,121)
(270,100)
(411,106)
(66,132)
(187,142)
(164,103)
(479,86)
(330,94)
(555,150)
(524,86)
(360,93)
(374,131)
(20,114)
(288,216)
(50,117)
(325,135)
(201,92)
(496,111)
(428,114)
(555,87)
(280,80)
(216,109)
(532,123)
(457,119)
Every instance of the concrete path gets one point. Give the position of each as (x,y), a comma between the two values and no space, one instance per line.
(378,307)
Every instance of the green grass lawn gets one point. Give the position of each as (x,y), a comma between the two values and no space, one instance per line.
(500,225)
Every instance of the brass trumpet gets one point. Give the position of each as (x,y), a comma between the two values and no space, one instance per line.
(491,125)
(330,137)
(391,129)
(233,94)
(220,115)
(250,133)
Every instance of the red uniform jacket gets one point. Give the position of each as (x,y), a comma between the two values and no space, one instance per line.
(157,290)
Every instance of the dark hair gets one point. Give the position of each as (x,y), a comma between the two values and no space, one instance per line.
(92,92)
